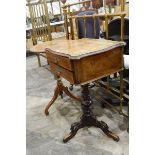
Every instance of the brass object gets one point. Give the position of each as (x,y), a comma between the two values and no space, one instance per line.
(69,10)
(111,91)
(47,20)
(66,7)
(66,21)
(41,30)
(101,15)
(72,28)
(122,5)
(122,27)
(77,28)
(106,16)
(106,26)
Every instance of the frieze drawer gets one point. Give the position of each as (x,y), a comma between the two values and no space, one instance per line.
(59,60)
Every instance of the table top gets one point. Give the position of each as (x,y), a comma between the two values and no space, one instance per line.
(77,49)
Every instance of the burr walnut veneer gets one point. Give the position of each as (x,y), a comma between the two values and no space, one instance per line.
(80,62)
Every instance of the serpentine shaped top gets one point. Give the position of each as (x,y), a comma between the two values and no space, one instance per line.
(77,49)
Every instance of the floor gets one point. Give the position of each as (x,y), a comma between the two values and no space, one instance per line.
(45,133)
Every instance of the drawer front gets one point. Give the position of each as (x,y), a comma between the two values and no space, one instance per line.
(104,64)
(66,74)
(59,60)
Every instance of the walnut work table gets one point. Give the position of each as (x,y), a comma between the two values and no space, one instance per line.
(81,62)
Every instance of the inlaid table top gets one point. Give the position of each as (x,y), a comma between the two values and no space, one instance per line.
(76,49)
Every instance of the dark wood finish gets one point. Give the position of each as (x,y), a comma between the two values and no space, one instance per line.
(60,88)
(88,119)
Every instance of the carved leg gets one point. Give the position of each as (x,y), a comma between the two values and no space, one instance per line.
(88,119)
(104,127)
(59,91)
(74,128)
(56,93)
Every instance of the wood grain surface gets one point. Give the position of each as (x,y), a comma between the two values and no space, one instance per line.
(77,49)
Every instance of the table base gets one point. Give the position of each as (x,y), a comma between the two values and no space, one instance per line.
(88,119)
(60,88)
